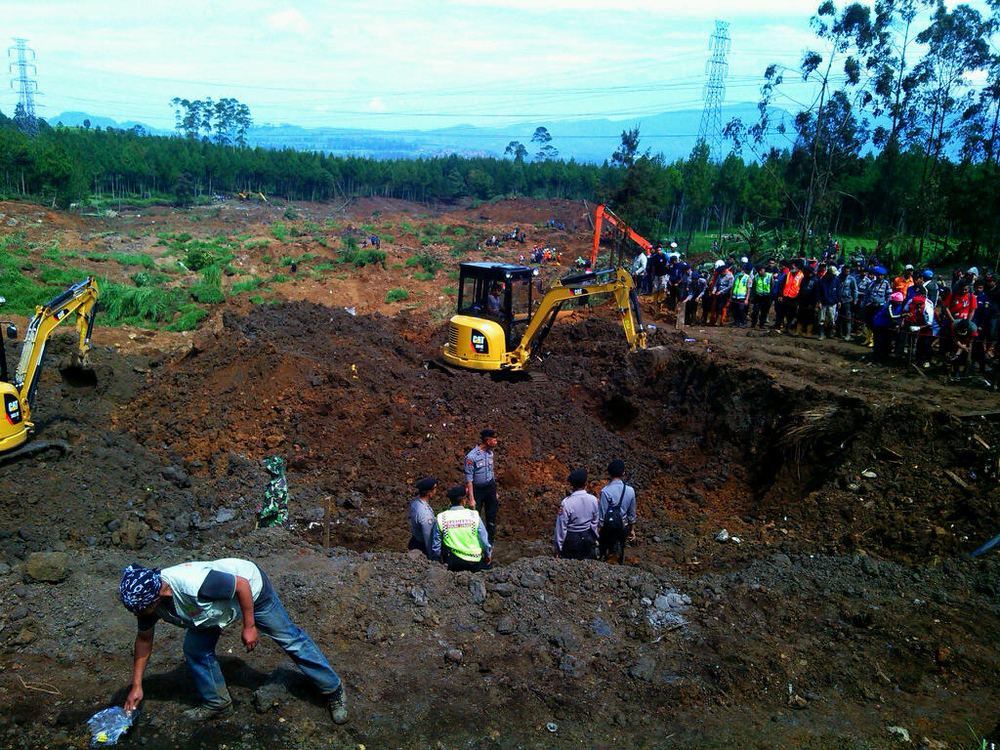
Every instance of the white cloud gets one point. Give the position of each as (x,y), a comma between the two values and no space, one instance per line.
(377,105)
(289,20)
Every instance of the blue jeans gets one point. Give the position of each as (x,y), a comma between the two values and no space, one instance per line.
(272,620)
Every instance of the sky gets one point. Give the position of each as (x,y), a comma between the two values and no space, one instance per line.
(393,64)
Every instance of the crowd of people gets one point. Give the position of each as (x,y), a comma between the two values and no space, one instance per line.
(916,315)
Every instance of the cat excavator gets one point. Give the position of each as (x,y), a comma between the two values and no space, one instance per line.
(498,325)
(18,394)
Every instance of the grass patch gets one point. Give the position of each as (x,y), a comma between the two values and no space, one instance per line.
(64,277)
(208,291)
(254,244)
(450,290)
(149,278)
(278,278)
(125,259)
(138,305)
(257,299)
(279,231)
(421,276)
(396,295)
(246,286)
(189,318)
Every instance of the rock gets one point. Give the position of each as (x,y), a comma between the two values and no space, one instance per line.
(507,625)
(374,633)
(572,666)
(601,628)
(503,589)
(797,701)
(493,605)
(155,521)
(352,499)
(477,591)
(113,525)
(783,560)
(50,567)
(225,515)
(644,669)
(274,692)
(25,637)
(18,613)
(722,536)
(418,595)
(176,476)
(454,655)
(871,475)
(133,533)
(901,734)
(531,580)
(4,568)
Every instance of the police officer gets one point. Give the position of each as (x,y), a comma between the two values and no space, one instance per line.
(422,517)
(576,524)
(616,494)
(480,481)
(459,538)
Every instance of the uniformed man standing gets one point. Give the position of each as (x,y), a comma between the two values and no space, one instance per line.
(459,538)
(422,517)
(480,482)
(576,524)
(618,527)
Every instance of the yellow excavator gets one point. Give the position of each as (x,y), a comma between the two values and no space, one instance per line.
(18,395)
(498,326)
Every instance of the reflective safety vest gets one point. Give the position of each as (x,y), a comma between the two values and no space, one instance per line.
(460,533)
(741,285)
(762,283)
(792,284)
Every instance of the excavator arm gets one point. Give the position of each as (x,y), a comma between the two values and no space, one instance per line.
(80,299)
(603,214)
(612,281)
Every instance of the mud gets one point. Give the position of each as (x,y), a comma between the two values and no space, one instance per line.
(849,604)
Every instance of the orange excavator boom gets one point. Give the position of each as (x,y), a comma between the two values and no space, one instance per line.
(603,214)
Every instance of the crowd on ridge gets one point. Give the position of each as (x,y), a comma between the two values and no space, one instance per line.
(917,315)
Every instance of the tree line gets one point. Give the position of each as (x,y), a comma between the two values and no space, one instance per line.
(901,144)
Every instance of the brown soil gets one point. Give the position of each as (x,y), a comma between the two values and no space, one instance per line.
(849,605)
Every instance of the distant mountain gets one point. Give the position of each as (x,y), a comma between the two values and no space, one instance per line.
(672,134)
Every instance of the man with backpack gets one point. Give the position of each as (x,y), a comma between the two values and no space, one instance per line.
(616,511)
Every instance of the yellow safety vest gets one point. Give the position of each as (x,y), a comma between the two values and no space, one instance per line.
(460,533)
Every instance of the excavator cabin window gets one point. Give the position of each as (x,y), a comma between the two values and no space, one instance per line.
(507,300)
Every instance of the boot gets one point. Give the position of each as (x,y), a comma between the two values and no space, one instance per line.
(869,338)
(822,332)
(810,330)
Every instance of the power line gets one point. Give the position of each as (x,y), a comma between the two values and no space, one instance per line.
(24,115)
(710,129)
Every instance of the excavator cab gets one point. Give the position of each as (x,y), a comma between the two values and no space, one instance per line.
(494,309)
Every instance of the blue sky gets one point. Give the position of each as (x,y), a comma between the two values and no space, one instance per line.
(394,64)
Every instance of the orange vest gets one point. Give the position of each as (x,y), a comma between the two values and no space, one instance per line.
(792,284)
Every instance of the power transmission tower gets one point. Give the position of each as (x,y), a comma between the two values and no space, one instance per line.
(710,129)
(24,114)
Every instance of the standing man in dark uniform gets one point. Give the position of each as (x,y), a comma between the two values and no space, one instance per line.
(617,528)
(480,481)
(422,517)
(576,525)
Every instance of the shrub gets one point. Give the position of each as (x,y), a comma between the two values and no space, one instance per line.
(290,214)
(412,262)
(246,286)
(369,258)
(463,248)
(64,277)
(122,304)
(278,278)
(279,231)
(209,290)
(286,260)
(388,238)
(257,299)
(266,259)
(423,276)
(396,295)
(257,243)
(147,278)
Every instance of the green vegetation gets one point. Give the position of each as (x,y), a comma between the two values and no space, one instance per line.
(419,276)
(209,290)
(396,295)
(253,245)
(279,231)
(246,286)
(138,306)
(149,278)
(450,290)
(188,320)
(61,277)
(278,278)
(125,259)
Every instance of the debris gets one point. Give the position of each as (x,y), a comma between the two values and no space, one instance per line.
(900,732)
(107,726)
(50,567)
(722,536)
(987,547)
(552,727)
(454,655)
(869,474)
(797,701)
(956,479)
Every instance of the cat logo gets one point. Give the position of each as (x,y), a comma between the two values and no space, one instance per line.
(479,343)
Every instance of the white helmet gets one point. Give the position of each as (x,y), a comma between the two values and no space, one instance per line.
(673,245)
(720,263)
(744,259)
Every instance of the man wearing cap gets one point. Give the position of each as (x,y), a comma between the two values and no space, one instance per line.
(480,481)
(615,495)
(876,297)
(577,522)
(459,538)
(828,300)
(204,597)
(422,518)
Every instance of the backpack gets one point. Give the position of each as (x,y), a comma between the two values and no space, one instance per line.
(614,521)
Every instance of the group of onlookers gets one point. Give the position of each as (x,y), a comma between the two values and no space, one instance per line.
(894,315)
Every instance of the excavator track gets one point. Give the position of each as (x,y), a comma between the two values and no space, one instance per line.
(34,448)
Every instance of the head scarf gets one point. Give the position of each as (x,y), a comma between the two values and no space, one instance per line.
(139,587)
